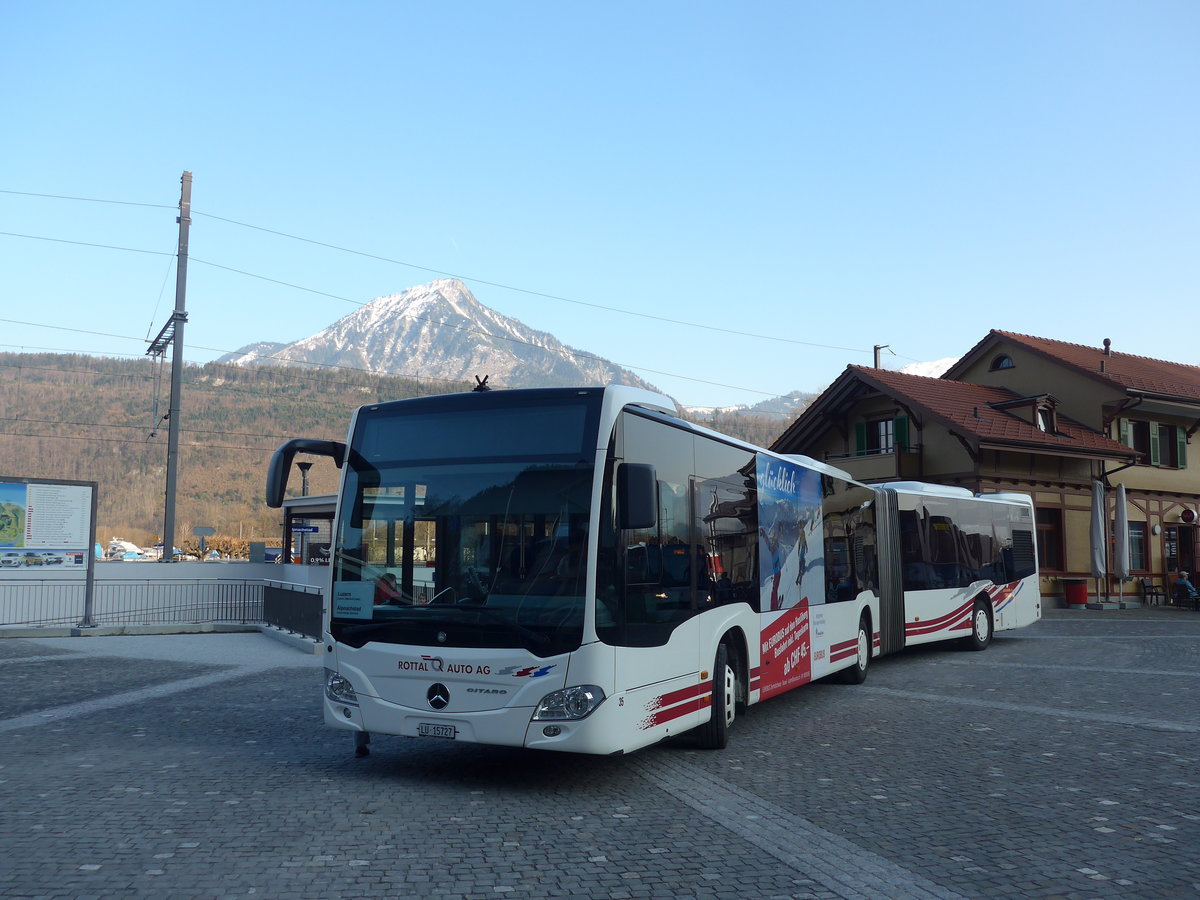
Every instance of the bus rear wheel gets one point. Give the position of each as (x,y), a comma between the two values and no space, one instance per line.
(857,673)
(714,734)
(981,627)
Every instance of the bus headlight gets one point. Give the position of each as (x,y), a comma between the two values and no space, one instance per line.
(339,689)
(570,703)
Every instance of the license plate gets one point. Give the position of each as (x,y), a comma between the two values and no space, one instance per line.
(424,729)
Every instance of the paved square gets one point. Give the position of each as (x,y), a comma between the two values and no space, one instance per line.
(1063,762)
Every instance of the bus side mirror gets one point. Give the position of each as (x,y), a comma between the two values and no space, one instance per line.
(637,496)
(281,464)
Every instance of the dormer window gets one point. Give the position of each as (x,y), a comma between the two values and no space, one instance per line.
(1045,419)
(1039,411)
(1003,361)
(1045,416)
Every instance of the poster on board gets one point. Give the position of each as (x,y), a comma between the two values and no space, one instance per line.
(45,523)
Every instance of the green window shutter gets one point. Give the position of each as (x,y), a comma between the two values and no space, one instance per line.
(1155,448)
(1123,433)
(860,438)
(1181,446)
(900,433)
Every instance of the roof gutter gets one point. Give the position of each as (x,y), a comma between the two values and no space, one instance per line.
(1165,398)
(1044,450)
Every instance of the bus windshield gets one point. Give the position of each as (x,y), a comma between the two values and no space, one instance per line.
(458,551)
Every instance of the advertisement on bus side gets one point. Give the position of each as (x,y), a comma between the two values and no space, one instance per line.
(792,564)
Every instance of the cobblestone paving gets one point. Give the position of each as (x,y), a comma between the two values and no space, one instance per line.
(1062,763)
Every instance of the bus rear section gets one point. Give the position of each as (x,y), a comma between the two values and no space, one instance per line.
(965,565)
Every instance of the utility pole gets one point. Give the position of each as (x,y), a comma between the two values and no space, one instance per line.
(172,334)
(304,467)
(879,347)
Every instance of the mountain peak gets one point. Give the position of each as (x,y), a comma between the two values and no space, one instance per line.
(440,330)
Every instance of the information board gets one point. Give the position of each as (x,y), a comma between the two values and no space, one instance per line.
(48,526)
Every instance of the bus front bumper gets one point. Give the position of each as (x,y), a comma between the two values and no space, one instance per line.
(504,727)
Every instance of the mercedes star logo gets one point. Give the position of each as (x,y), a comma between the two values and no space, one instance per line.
(438,696)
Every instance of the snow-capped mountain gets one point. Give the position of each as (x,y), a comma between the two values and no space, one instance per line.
(786,407)
(935,369)
(439,330)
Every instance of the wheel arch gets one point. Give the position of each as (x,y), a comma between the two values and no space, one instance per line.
(985,598)
(736,646)
(865,612)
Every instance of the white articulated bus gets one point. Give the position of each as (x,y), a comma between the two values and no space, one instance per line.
(581,570)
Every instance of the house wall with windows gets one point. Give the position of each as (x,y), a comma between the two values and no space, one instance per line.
(879,441)
(1162,441)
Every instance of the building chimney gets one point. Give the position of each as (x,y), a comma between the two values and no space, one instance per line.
(1107,347)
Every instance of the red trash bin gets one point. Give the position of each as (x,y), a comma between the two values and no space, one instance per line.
(1075,590)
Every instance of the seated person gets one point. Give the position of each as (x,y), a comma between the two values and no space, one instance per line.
(1184,589)
(386,591)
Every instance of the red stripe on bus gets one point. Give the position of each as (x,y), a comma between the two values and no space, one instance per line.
(670,699)
(947,621)
(667,715)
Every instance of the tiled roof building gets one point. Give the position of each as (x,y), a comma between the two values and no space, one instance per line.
(1045,417)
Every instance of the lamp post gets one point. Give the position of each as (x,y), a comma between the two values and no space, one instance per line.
(304,467)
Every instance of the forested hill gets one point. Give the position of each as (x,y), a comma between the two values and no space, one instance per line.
(85,418)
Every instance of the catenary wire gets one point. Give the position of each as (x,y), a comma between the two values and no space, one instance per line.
(463,277)
(91,199)
(496,284)
(527,291)
(142,427)
(68,437)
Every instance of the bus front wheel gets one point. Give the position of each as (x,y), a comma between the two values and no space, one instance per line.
(714,734)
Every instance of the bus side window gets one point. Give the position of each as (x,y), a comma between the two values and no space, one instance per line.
(658,575)
(915,568)
(727,550)
(1024,554)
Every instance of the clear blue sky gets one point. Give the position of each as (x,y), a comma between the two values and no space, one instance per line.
(818,177)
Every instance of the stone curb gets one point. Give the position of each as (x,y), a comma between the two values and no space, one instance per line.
(297,641)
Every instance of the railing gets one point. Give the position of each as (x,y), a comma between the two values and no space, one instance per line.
(60,601)
(293,607)
(830,456)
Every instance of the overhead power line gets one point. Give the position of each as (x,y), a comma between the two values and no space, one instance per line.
(527,291)
(122,337)
(38,237)
(90,199)
(70,437)
(431,270)
(558,298)
(193,378)
(142,427)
